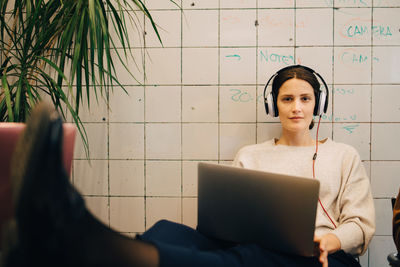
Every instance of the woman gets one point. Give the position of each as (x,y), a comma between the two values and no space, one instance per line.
(55,228)
(347,223)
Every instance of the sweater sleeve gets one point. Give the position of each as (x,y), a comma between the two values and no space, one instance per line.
(396,222)
(357,213)
(238,160)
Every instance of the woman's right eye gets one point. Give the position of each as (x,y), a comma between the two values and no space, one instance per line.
(286,99)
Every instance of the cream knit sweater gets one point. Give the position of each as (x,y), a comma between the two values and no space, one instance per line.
(344,185)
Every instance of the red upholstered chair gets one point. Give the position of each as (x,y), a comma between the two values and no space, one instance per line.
(9,133)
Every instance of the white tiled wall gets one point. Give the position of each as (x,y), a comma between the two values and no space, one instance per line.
(237,60)
(193,61)
(198,97)
(276,27)
(200,28)
(309,30)
(237,27)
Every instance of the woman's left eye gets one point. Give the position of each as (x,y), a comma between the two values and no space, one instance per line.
(306,98)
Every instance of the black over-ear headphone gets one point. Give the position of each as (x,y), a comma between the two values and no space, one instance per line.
(321,99)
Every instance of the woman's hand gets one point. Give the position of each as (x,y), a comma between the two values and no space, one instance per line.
(326,244)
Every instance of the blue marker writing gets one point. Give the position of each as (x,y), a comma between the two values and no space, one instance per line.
(350,128)
(234,56)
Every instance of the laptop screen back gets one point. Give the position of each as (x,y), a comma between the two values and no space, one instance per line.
(272,210)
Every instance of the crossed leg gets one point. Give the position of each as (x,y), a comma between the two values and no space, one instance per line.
(52,225)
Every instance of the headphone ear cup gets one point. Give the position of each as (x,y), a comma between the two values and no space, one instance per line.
(269,105)
(320,105)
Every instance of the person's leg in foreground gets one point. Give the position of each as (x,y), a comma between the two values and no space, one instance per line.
(52,225)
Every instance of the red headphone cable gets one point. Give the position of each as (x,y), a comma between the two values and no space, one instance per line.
(313,169)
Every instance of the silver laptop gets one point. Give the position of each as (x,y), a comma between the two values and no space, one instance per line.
(272,210)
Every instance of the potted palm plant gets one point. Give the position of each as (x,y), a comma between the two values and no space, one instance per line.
(45,45)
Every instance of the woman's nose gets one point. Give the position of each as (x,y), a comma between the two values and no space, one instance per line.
(296,106)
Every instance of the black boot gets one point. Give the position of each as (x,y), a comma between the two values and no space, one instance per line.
(53,226)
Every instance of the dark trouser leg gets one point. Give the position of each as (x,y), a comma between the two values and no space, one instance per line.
(254,255)
(181,235)
(180,245)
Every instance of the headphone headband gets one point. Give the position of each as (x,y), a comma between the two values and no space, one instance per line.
(321,101)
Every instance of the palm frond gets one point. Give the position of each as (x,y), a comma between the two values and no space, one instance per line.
(48,45)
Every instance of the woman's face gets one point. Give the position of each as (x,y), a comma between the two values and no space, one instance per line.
(296,103)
